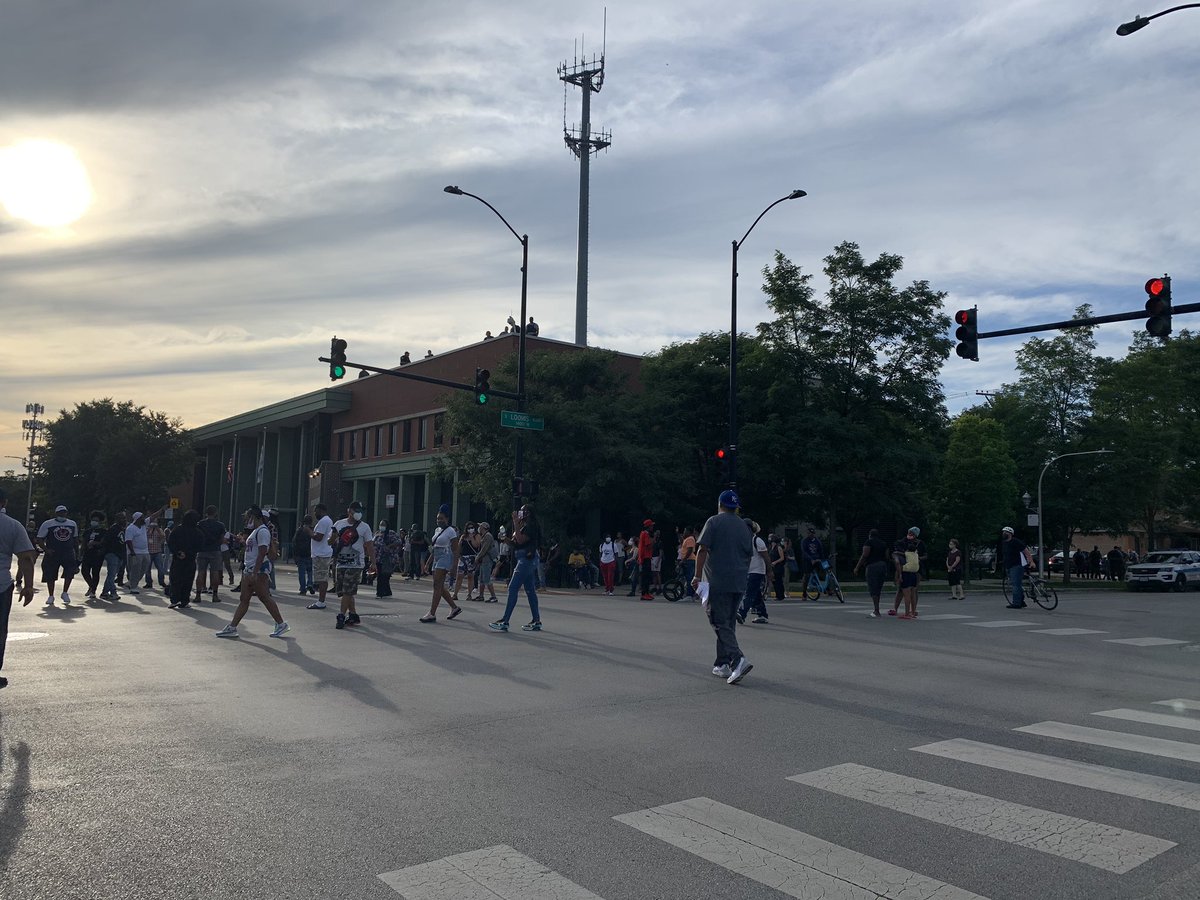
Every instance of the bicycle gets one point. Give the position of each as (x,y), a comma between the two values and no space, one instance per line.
(1036,587)
(827,584)
(675,588)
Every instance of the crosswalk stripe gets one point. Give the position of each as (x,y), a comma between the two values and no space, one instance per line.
(1151,718)
(1155,788)
(792,862)
(1002,623)
(1092,843)
(1179,704)
(940,616)
(1118,740)
(493,873)
(1144,641)
(1067,631)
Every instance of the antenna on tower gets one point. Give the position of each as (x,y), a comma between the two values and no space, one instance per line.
(588,76)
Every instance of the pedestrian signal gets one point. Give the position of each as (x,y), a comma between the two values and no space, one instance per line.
(483,387)
(1158,305)
(967,333)
(337,359)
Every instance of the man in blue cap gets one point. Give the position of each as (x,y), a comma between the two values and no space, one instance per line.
(724,562)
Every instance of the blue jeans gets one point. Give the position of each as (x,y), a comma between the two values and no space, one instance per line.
(1016,575)
(158,563)
(112,563)
(304,570)
(688,567)
(524,575)
(753,598)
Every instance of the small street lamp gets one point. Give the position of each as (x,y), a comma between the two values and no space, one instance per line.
(733,427)
(1140,22)
(1041,521)
(1026,499)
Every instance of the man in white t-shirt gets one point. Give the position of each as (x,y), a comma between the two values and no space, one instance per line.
(354,546)
(322,552)
(756,580)
(256,576)
(137,551)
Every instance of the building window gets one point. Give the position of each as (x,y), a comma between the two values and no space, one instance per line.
(392,439)
(341,451)
(422,433)
(406,447)
(454,440)
(354,445)
(438,436)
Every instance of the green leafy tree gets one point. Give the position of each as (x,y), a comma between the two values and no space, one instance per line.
(979,480)
(109,456)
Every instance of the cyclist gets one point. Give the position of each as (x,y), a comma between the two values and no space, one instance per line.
(1016,560)
(813,552)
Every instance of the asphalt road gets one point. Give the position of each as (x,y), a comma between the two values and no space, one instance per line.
(141,757)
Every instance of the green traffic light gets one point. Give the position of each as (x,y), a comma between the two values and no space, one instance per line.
(339,371)
(481,399)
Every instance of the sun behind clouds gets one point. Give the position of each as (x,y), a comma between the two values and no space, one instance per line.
(44,183)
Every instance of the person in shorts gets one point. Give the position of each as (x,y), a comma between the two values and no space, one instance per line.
(354,549)
(58,539)
(321,548)
(256,572)
(208,557)
(906,555)
(442,562)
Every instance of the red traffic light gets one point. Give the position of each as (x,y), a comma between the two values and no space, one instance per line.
(721,453)
(962,317)
(1154,287)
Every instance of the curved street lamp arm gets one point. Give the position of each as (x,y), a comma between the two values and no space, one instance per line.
(455,189)
(1041,520)
(792,196)
(1140,22)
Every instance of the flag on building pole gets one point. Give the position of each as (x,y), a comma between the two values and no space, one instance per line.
(229,470)
(262,459)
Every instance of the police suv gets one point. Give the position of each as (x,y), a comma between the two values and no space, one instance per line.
(1166,570)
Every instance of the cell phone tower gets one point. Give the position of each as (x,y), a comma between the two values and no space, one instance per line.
(588,76)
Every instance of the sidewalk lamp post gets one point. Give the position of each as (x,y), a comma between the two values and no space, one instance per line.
(733,336)
(519,453)
(1140,22)
(32,427)
(1041,520)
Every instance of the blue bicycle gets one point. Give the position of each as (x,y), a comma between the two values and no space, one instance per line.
(826,583)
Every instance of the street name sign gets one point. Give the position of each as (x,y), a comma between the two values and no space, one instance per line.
(510,419)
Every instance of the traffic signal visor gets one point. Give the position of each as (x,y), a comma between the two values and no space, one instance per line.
(337,359)
(483,387)
(1158,306)
(967,333)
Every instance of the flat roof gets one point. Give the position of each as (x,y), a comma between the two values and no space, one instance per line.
(283,414)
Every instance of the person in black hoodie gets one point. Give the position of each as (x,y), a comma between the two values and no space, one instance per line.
(183,543)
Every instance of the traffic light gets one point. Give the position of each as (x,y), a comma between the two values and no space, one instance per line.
(483,387)
(967,333)
(723,455)
(337,359)
(1158,305)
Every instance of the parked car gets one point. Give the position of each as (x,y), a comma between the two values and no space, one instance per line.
(1166,570)
(1055,563)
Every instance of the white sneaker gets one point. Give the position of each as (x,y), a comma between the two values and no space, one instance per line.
(65,597)
(50,600)
(280,629)
(740,671)
(228,631)
(722,671)
(315,605)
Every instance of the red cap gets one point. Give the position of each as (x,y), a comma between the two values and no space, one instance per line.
(647,523)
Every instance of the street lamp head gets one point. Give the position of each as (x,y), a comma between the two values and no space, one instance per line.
(453,189)
(797,194)
(1138,23)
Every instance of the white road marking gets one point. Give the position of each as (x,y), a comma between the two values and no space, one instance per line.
(494,873)
(1118,740)
(1067,631)
(1151,718)
(1155,788)
(792,862)
(1143,642)
(1002,623)
(1180,705)
(940,616)
(27,635)
(1092,843)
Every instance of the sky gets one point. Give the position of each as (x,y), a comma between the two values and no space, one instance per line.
(266,173)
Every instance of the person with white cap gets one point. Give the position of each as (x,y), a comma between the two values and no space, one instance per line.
(58,539)
(1015,559)
(137,551)
(723,561)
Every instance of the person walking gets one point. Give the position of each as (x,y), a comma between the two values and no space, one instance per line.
(778,557)
(645,556)
(137,552)
(468,547)
(93,551)
(485,561)
(1015,559)
(756,578)
(58,539)
(954,571)
(256,581)
(526,538)
(723,561)
(687,559)
(874,560)
(208,557)
(320,548)
(183,543)
(14,541)
(608,564)
(354,552)
(387,558)
(302,555)
(442,563)
(420,550)
(114,556)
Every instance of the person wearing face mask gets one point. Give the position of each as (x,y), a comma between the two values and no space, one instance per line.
(137,551)
(485,561)
(58,539)
(442,563)
(608,564)
(353,550)
(93,552)
(526,536)
(387,558)
(468,549)
(255,575)
(114,556)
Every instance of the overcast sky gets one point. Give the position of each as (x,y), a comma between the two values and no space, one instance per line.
(268,172)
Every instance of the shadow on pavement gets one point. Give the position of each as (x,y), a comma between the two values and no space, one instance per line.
(65,614)
(446,657)
(358,686)
(13,820)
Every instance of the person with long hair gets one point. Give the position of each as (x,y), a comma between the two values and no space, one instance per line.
(468,549)
(526,537)
(442,562)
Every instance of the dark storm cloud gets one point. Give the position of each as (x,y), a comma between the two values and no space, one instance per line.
(58,55)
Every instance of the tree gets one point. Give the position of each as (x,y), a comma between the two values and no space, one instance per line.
(111,456)
(979,480)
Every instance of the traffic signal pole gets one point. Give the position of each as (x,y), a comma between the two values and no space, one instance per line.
(459,385)
(1083,323)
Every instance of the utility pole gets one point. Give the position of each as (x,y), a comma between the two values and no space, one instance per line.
(31,428)
(588,75)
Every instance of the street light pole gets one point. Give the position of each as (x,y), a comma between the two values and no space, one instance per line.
(519,451)
(1041,518)
(733,337)
(33,427)
(1140,22)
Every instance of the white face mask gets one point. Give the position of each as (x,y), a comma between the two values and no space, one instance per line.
(358,517)
(95,522)
(60,518)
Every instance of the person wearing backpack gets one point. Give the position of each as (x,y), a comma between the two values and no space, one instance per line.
(256,574)
(302,555)
(908,555)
